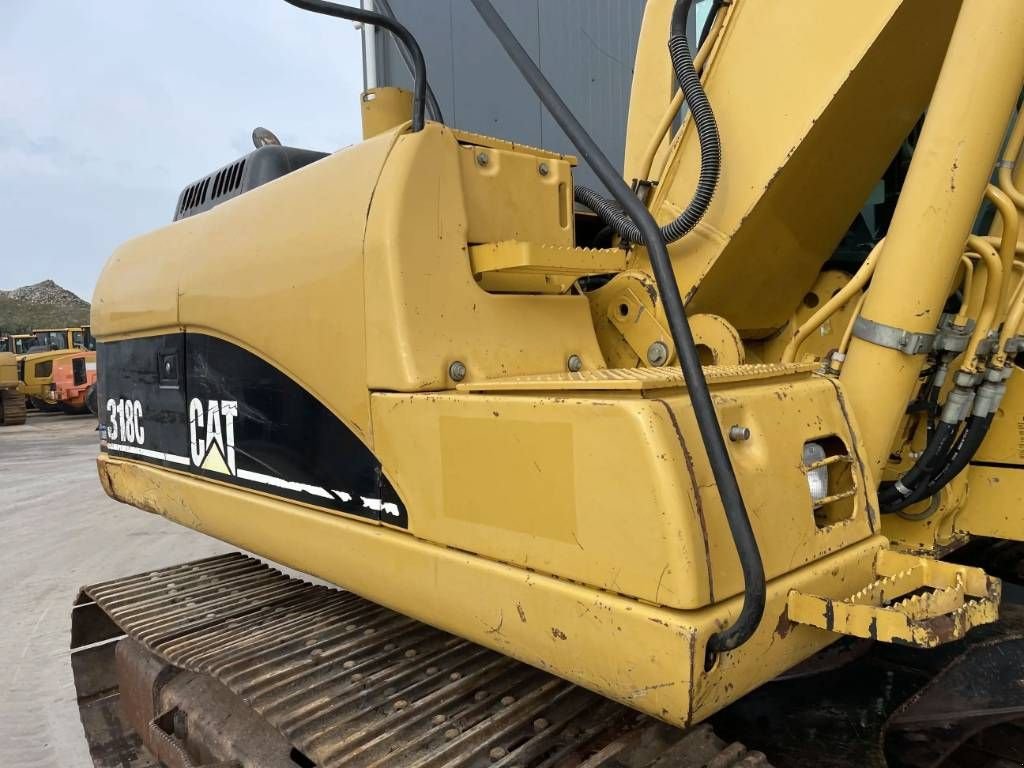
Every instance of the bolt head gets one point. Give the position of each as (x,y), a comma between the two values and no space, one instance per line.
(738,433)
(574,363)
(482,159)
(543,169)
(457,371)
(657,353)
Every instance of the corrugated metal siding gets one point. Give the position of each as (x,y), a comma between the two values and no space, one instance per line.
(585,47)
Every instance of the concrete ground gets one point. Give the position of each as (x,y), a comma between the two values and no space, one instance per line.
(58,531)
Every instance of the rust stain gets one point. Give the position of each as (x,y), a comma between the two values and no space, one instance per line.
(557,633)
(521,612)
(784,626)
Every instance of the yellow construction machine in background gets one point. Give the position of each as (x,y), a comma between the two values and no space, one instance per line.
(16,343)
(669,464)
(70,348)
(12,403)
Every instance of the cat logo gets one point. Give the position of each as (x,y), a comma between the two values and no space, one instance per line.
(212,434)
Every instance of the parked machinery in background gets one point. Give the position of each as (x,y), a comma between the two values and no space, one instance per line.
(58,369)
(16,343)
(12,404)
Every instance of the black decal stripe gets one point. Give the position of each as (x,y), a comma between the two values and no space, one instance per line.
(286,442)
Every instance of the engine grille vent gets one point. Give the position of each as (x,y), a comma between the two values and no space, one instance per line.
(258,167)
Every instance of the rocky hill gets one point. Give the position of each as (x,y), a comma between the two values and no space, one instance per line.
(42,305)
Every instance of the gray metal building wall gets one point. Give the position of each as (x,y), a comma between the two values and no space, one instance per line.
(585,47)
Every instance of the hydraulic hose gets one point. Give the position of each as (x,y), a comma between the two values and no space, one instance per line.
(932,457)
(718,456)
(970,440)
(969,443)
(625,224)
(405,37)
(433,108)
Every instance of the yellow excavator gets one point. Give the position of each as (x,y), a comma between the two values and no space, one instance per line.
(686,471)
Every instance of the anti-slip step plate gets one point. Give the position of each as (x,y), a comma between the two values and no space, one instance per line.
(914,600)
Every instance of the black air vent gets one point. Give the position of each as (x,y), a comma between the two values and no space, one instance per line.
(193,197)
(227,180)
(258,167)
(21,370)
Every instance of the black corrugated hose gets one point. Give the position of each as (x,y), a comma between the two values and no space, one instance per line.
(752,610)
(707,134)
(405,37)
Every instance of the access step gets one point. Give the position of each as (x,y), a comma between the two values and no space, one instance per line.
(914,601)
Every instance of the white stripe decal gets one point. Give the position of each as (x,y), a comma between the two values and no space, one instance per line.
(147,453)
(244,474)
(277,482)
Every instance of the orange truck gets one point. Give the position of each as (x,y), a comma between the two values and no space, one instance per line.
(74,379)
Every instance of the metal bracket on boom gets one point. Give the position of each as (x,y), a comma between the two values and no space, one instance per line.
(907,342)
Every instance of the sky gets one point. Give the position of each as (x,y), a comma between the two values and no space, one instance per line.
(108,108)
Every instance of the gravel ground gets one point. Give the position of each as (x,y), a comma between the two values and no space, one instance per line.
(60,531)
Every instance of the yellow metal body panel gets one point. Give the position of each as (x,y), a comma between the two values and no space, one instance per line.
(801,147)
(273,270)
(428,309)
(652,88)
(995,506)
(592,486)
(513,266)
(514,195)
(384,109)
(8,370)
(645,656)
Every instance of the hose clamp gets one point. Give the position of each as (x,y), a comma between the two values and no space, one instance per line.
(952,337)
(907,342)
(901,489)
(1006,164)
